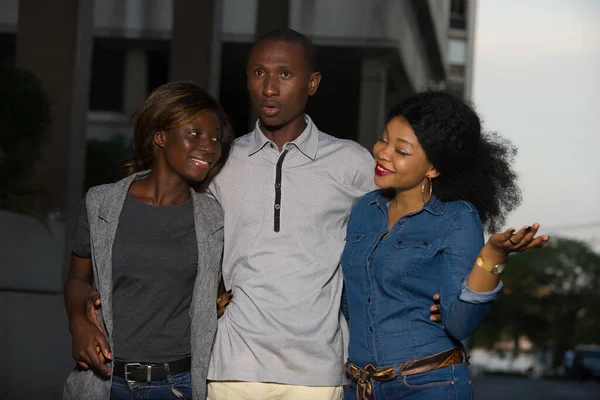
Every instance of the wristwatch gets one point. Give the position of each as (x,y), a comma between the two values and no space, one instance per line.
(494,269)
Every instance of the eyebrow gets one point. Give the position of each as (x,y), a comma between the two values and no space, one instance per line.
(201,127)
(404,141)
(400,139)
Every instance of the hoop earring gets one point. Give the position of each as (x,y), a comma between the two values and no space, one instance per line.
(423,190)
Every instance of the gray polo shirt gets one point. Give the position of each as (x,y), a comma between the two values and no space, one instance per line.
(285,225)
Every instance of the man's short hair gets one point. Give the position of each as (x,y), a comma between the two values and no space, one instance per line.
(291,36)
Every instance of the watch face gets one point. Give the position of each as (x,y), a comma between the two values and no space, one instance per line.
(498,269)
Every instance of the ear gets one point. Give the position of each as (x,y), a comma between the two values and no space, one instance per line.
(313,83)
(432,173)
(160,139)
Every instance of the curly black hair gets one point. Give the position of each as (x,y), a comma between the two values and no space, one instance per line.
(474,166)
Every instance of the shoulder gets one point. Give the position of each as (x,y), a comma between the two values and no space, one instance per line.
(242,142)
(95,194)
(348,148)
(368,198)
(365,202)
(208,210)
(460,208)
(463,215)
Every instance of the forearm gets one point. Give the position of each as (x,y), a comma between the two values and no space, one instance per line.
(479,279)
(461,318)
(76,295)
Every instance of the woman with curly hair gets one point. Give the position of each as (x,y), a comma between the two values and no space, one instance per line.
(442,183)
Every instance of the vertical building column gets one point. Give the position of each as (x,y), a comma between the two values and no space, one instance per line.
(271,15)
(196,43)
(470,44)
(372,107)
(136,80)
(54,41)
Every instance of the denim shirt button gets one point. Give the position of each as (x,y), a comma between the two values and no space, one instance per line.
(369,300)
(400,242)
(425,243)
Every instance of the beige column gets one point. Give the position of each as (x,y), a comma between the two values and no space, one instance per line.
(196,43)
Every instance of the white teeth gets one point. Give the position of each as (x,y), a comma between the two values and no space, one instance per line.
(200,161)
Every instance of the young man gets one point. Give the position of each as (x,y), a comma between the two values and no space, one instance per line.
(286,192)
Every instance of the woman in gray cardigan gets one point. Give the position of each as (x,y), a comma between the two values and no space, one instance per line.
(151,245)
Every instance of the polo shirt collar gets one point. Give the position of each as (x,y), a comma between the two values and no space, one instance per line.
(307,142)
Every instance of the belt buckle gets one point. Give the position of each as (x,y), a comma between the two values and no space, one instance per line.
(148,371)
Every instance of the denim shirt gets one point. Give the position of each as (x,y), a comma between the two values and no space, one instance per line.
(390,281)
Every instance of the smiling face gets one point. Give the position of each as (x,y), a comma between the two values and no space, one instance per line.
(401,161)
(191,150)
(280,79)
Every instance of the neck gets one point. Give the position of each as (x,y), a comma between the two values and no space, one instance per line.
(283,134)
(161,188)
(407,201)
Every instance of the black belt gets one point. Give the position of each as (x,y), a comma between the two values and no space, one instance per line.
(147,372)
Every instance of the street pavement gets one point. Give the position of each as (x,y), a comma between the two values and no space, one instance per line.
(516,388)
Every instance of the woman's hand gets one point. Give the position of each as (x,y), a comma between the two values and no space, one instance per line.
(500,245)
(90,346)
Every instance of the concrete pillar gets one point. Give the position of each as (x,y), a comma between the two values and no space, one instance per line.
(272,14)
(196,43)
(54,41)
(136,80)
(372,107)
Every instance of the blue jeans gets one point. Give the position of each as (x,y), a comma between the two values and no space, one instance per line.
(173,387)
(449,383)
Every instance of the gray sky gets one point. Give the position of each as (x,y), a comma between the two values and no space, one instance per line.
(537,82)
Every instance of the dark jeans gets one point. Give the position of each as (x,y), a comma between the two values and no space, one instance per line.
(449,383)
(174,387)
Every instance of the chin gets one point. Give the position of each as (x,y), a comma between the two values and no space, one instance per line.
(381,183)
(273,123)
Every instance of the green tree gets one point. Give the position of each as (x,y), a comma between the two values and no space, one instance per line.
(550,296)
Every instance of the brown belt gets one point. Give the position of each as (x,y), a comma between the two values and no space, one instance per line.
(363,376)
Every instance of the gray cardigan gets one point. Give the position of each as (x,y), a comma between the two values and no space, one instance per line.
(104,204)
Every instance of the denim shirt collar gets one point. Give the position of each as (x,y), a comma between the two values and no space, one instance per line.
(434,206)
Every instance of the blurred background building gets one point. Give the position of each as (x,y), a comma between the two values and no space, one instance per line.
(98,61)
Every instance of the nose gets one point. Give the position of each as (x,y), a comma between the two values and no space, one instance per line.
(270,86)
(207,144)
(383,152)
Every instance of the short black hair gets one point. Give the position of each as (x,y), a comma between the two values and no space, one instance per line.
(291,36)
(474,166)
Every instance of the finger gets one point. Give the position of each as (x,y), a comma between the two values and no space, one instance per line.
(436,297)
(530,234)
(537,242)
(97,363)
(104,347)
(435,309)
(92,315)
(225,300)
(435,318)
(83,365)
(518,238)
(95,298)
